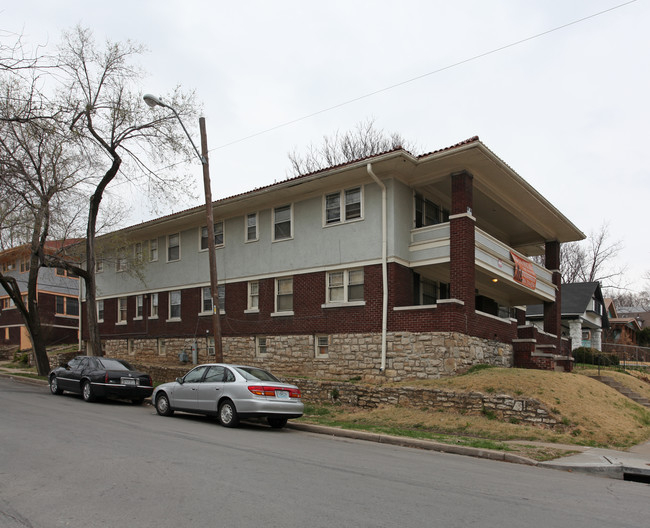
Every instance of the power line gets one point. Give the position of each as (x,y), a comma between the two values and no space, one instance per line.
(422,76)
(408,81)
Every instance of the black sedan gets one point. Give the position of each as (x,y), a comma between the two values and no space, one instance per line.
(101,377)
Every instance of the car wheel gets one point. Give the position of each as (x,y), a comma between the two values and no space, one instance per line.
(87,391)
(137,401)
(54,386)
(228,414)
(277,422)
(162,405)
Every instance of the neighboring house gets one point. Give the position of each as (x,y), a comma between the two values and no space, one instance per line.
(583,314)
(622,330)
(57,297)
(391,267)
(640,313)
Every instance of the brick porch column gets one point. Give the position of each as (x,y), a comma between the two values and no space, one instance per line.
(461,250)
(553,310)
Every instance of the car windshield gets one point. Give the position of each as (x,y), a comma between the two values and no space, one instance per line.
(252,374)
(114,364)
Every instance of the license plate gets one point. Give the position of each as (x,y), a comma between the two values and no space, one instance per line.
(129,382)
(282,394)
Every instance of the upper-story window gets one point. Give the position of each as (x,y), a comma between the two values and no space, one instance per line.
(99,264)
(153,249)
(24,265)
(343,206)
(428,213)
(9,266)
(251,227)
(282,222)
(174,247)
(218,235)
(137,252)
(121,262)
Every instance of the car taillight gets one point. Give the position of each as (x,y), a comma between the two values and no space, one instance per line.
(106,378)
(269,390)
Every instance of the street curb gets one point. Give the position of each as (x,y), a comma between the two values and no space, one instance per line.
(24,379)
(428,445)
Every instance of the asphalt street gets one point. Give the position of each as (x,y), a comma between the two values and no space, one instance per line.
(65,462)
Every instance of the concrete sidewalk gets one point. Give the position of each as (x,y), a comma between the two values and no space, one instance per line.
(633,464)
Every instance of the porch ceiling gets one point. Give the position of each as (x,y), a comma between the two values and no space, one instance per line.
(505,205)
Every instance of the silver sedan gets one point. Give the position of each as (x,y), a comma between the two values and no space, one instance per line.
(230,392)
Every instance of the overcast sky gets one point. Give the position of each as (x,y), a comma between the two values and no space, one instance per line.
(567,109)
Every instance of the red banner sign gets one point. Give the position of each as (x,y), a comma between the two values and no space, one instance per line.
(524,272)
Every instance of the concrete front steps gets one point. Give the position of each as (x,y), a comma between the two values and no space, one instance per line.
(611,382)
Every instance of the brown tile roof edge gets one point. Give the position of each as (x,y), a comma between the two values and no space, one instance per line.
(473,139)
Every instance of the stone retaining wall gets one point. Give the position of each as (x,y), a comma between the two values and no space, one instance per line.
(500,406)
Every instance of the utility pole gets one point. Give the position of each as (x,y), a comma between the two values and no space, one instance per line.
(214,288)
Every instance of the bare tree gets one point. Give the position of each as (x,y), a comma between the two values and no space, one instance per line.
(39,173)
(591,260)
(112,125)
(363,141)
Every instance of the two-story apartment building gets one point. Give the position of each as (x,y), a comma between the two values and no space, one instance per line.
(392,267)
(57,298)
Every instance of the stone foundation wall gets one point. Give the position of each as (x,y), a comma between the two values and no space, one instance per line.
(410,355)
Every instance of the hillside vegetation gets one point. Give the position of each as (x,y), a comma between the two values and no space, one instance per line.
(590,412)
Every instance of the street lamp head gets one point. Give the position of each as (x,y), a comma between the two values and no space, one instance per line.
(152,100)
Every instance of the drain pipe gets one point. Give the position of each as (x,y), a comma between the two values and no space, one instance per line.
(384,266)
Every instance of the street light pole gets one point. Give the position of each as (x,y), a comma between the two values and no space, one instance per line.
(152,101)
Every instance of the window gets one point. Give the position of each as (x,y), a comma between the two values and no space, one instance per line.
(60,272)
(261,346)
(121,263)
(162,347)
(66,305)
(175,304)
(153,249)
(206,303)
(121,310)
(130,349)
(206,299)
(345,286)
(6,303)
(59,303)
(282,228)
(214,374)
(139,306)
(153,312)
(351,209)
(137,252)
(322,346)
(428,213)
(100,311)
(72,306)
(254,295)
(24,265)
(284,295)
(251,227)
(99,265)
(210,346)
(218,236)
(173,247)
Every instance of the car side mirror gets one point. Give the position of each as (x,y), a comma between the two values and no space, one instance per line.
(179,380)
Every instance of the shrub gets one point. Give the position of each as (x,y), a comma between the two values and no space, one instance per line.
(591,356)
(22,358)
